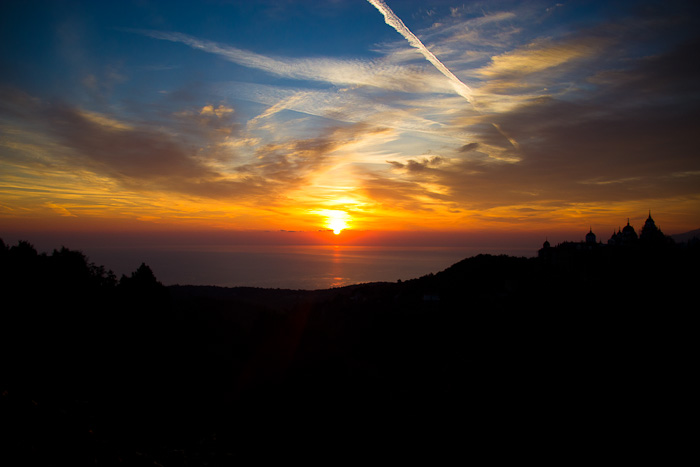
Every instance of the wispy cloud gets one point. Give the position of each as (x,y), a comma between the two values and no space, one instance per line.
(371,73)
(349,106)
(538,57)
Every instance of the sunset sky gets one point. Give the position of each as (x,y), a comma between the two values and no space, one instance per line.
(400,116)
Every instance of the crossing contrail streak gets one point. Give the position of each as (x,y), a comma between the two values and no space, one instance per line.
(462,89)
(395,22)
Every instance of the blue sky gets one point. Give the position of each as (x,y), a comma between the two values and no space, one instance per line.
(297,114)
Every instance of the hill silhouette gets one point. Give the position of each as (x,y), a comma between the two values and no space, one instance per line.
(130,370)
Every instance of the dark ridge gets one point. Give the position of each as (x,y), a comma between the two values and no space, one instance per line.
(107,371)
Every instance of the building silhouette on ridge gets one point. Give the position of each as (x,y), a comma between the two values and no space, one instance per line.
(650,236)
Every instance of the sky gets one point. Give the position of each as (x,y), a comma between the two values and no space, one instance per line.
(399,119)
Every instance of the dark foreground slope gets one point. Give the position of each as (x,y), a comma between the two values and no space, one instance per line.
(106,371)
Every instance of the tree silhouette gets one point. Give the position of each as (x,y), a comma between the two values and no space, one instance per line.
(142,278)
(143,293)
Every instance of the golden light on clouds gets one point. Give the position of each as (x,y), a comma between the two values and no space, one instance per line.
(219,111)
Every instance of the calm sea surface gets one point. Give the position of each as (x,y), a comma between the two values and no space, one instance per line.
(293,267)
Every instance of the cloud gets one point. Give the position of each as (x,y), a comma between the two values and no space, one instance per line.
(393,194)
(287,103)
(538,57)
(421,165)
(60,210)
(606,150)
(371,73)
(479,29)
(104,121)
(469,147)
(621,142)
(139,156)
(128,151)
(143,158)
(220,111)
(347,106)
(294,161)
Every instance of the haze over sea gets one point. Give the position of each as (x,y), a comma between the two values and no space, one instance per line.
(289,266)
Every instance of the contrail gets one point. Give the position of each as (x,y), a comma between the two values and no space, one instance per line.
(510,139)
(395,22)
(284,104)
(462,89)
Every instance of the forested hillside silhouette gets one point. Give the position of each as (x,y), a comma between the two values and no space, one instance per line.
(106,370)
(85,352)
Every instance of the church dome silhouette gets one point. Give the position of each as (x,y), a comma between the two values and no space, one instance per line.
(590,236)
(651,233)
(628,234)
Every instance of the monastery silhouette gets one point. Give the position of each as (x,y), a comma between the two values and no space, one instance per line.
(649,236)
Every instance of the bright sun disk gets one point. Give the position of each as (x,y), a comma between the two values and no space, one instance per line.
(336,220)
(337,225)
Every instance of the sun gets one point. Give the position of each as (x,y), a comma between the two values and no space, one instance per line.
(336,220)
(337,225)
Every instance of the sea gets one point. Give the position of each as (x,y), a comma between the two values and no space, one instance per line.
(300,267)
